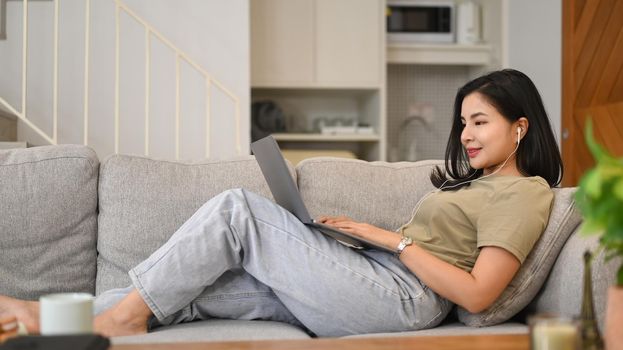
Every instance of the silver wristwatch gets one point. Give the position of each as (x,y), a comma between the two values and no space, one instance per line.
(404,242)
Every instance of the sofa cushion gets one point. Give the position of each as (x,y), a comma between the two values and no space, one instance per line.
(384,194)
(562,292)
(453,329)
(380,193)
(144,201)
(563,220)
(216,330)
(48,220)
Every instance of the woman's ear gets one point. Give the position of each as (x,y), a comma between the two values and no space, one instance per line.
(523,124)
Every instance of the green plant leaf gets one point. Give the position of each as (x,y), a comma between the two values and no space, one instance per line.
(591,227)
(596,150)
(593,183)
(618,188)
(600,199)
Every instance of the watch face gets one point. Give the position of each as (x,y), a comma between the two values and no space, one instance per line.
(404,242)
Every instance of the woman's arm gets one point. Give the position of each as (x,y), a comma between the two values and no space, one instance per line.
(475,291)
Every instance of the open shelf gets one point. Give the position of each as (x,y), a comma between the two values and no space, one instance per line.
(450,54)
(315,137)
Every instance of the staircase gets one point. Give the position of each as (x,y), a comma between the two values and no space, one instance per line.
(8,122)
(128,117)
(8,132)
(8,128)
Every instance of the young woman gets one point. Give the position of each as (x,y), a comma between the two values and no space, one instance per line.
(241,256)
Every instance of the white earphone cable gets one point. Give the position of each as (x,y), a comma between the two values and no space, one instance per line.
(419,203)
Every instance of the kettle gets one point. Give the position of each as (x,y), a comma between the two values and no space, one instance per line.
(468,23)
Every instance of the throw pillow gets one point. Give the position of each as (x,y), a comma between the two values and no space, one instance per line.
(564,219)
(48,220)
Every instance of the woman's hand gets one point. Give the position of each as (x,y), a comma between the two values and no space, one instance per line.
(367,231)
(349,225)
(332,220)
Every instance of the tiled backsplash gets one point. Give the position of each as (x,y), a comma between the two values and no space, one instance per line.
(421,85)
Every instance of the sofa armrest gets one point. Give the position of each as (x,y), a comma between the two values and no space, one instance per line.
(562,292)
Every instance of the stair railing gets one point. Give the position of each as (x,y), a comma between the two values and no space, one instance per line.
(150,32)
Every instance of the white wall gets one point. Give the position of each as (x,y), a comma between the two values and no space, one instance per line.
(214,33)
(535,48)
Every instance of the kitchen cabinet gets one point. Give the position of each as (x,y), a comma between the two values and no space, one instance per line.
(282,52)
(349,43)
(317,43)
(322,61)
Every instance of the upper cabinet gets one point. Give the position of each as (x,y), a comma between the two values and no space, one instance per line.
(317,43)
(349,48)
(282,51)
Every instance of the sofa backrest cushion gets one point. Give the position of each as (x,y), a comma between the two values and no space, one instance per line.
(48,220)
(144,201)
(563,290)
(380,193)
(385,194)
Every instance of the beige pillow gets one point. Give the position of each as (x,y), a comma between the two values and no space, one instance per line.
(563,220)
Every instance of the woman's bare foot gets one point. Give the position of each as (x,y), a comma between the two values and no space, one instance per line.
(8,328)
(26,312)
(128,317)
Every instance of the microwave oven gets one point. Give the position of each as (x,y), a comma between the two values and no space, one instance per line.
(428,21)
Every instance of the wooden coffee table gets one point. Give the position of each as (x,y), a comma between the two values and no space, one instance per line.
(472,342)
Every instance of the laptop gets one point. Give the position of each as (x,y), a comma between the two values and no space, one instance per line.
(283,188)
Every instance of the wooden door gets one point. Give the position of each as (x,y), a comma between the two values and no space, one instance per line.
(592,80)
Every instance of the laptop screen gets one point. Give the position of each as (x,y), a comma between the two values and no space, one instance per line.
(281,184)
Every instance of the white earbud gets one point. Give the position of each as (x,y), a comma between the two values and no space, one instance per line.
(518,134)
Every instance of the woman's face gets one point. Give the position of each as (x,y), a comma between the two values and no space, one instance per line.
(487,136)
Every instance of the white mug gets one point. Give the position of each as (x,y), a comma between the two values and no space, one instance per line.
(66,313)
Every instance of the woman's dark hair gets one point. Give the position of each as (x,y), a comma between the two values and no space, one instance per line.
(514,95)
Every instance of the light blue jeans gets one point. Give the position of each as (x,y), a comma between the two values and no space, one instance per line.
(240,256)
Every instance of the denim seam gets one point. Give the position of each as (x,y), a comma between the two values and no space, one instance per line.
(235,296)
(146,297)
(412,298)
(153,263)
(434,318)
(319,251)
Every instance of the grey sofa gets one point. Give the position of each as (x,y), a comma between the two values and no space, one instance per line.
(69,223)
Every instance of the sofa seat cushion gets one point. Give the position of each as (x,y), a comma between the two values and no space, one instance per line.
(216,330)
(144,201)
(453,329)
(48,220)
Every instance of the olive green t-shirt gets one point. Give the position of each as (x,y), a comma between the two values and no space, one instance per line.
(504,211)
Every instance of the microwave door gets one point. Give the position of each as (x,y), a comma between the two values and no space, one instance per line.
(420,23)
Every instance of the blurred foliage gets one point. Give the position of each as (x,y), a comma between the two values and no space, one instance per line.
(600,199)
